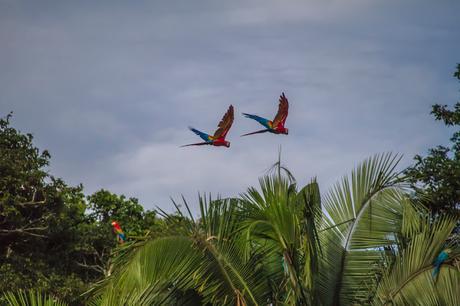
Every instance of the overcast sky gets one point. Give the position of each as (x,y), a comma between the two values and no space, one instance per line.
(109,87)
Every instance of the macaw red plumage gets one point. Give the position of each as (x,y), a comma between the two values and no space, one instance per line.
(277,125)
(218,139)
(121,237)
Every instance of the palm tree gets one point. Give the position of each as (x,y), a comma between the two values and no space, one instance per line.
(378,242)
(260,249)
(364,242)
(365,215)
(204,261)
(410,279)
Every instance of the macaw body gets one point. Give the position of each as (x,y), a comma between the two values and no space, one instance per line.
(442,257)
(121,237)
(218,139)
(275,126)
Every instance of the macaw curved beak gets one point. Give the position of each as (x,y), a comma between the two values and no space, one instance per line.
(227,144)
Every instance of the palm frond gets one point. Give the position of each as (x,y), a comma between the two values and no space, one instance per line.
(282,223)
(410,280)
(31,298)
(205,260)
(365,213)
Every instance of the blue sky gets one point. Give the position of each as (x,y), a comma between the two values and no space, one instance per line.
(110,87)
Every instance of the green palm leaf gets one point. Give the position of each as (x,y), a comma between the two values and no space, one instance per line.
(410,280)
(205,259)
(281,224)
(31,298)
(365,213)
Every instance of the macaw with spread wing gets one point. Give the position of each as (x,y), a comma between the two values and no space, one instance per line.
(121,237)
(442,257)
(218,139)
(277,125)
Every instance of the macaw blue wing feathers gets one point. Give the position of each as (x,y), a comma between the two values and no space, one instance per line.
(442,257)
(265,122)
(203,136)
(122,236)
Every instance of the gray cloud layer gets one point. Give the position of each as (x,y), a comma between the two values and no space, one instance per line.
(110,87)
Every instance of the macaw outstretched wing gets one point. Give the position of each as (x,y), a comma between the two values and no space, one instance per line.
(282,114)
(265,122)
(203,136)
(225,124)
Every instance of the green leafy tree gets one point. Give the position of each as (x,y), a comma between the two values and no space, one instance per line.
(52,237)
(97,236)
(38,214)
(436,177)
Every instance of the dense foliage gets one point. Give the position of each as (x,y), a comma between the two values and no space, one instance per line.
(364,242)
(52,237)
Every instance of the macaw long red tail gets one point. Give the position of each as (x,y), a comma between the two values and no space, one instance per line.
(257,132)
(196,144)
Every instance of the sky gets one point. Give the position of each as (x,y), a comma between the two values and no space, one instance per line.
(110,87)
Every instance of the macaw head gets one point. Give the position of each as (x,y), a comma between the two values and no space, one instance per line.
(448,251)
(227,144)
(114,223)
(286,131)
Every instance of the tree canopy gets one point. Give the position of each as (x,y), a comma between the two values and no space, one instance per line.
(53,238)
(436,177)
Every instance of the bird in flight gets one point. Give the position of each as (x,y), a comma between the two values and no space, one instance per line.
(218,139)
(277,125)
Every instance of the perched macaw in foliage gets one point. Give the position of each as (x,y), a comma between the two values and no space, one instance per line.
(218,139)
(277,125)
(121,237)
(439,260)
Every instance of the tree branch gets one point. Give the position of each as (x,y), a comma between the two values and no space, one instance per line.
(31,203)
(96,268)
(21,232)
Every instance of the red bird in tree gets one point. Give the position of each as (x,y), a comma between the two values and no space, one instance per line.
(218,139)
(277,125)
(121,237)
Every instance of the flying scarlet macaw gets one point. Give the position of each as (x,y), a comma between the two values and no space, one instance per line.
(218,139)
(442,257)
(277,125)
(121,237)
